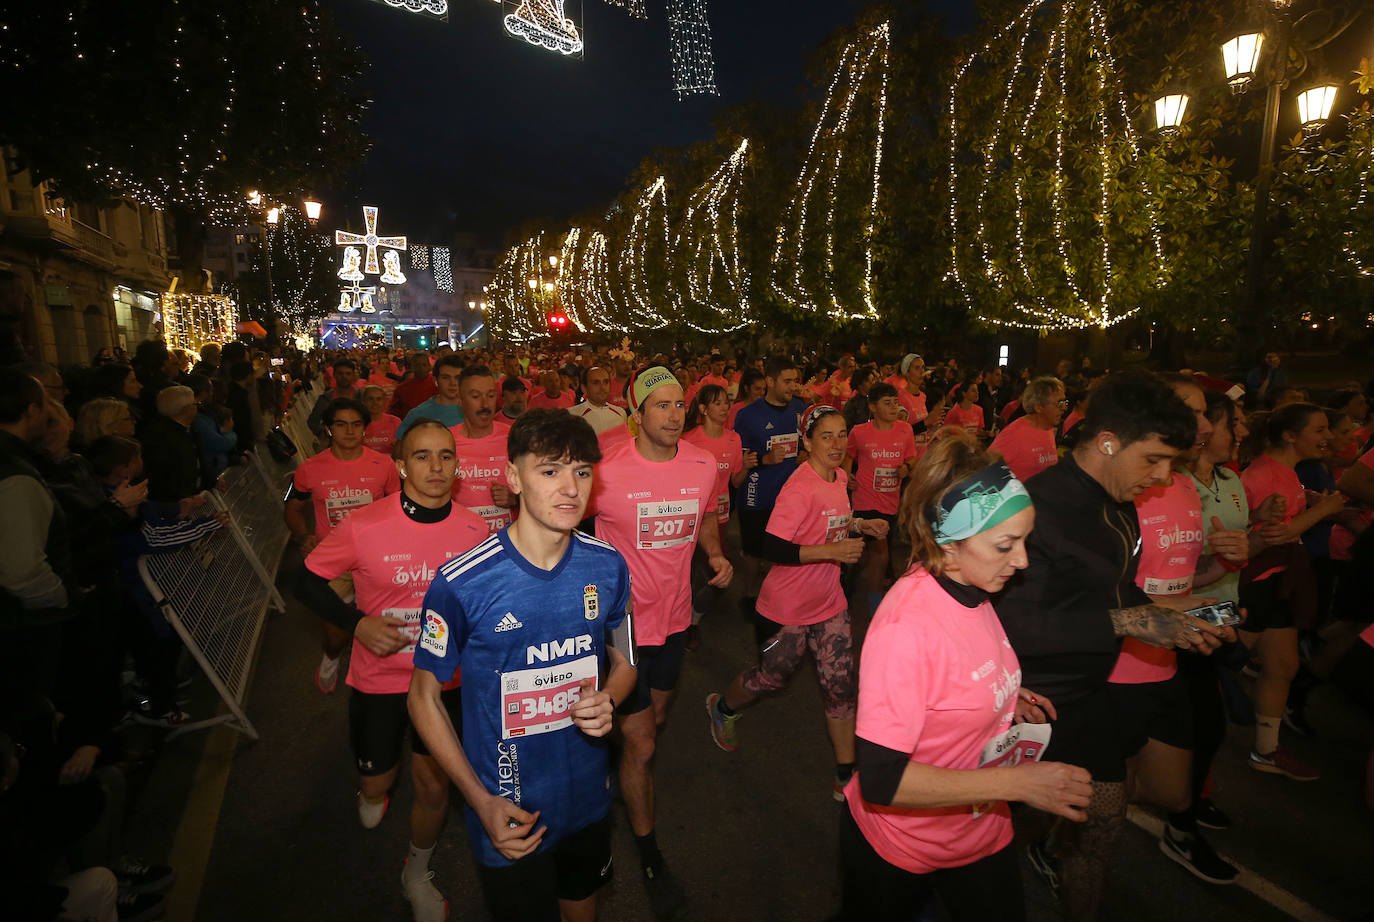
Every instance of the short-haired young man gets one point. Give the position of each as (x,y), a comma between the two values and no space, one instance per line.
(1067,612)
(446,405)
(341,479)
(393,548)
(481,443)
(538,617)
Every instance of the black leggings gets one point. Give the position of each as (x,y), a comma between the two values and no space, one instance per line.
(1209,715)
(875,891)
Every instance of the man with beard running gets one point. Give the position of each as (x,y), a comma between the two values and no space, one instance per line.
(393,548)
(654,501)
(481,444)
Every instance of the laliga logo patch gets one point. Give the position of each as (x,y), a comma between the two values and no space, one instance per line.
(435,635)
(590,606)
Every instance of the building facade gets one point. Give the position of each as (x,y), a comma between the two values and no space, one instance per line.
(75,277)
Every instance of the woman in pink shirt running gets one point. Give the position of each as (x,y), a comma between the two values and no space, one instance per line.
(966,412)
(811,532)
(946,733)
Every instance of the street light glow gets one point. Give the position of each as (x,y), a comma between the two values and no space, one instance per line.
(553,261)
(312,210)
(273,215)
(1169,112)
(1314,106)
(1241,57)
(254,197)
(534,284)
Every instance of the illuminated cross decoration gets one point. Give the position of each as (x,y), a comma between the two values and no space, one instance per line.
(369,240)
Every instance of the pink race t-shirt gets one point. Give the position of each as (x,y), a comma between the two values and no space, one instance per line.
(808,511)
(393,559)
(612,437)
(540,399)
(1342,539)
(734,411)
(652,512)
(339,487)
(1171,538)
(915,405)
(971,419)
(938,680)
(878,456)
(1028,450)
(381,434)
(729,455)
(481,463)
(1265,477)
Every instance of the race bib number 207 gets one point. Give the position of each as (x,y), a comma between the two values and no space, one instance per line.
(668,523)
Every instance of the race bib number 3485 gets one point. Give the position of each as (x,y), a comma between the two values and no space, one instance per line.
(541,700)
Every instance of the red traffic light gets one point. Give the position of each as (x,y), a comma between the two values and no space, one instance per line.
(558,320)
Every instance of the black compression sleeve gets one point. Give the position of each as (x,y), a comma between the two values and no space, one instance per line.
(780,550)
(313,590)
(880,771)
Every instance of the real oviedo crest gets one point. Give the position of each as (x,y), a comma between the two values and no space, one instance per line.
(589,602)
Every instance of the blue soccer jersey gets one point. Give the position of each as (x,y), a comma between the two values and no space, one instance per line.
(525,639)
(762,427)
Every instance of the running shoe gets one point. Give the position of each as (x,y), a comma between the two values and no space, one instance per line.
(1295,719)
(140,907)
(1283,762)
(1211,816)
(137,877)
(327,673)
(426,902)
(667,898)
(1045,866)
(722,728)
(370,815)
(1193,852)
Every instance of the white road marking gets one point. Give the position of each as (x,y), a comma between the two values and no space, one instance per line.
(1261,887)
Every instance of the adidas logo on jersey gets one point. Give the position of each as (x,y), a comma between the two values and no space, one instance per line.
(508,622)
(767,427)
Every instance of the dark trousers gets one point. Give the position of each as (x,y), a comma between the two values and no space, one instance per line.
(875,891)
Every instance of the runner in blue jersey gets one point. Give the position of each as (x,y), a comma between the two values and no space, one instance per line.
(538,618)
(767,427)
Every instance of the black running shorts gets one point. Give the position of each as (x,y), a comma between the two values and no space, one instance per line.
(752,524)
(377,726)
(659,668)
(1085,734)
(1264,606)
(529,889)
(1152,711)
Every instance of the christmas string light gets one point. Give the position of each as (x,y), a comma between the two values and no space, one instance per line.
(636,257)
(708,246)
(443,271)
(1077,287)
(370,240)
(436,8)
(189,321)
(804,273)
(634,7)
(543,24)
(419,256)
(689,44)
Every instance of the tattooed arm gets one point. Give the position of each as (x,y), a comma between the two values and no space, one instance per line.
(1165,627)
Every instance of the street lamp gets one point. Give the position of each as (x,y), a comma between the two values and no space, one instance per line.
(312,210)
(534,284)
(1169,112)
(1241,57)
(553,262)
(472,305)
(1314,107)
(273,215)
(548,287)
(254,197)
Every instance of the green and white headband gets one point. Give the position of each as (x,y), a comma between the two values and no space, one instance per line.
(979,502)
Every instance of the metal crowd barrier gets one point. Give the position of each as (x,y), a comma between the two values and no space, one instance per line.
(216,592)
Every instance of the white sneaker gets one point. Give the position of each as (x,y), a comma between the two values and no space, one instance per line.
(426,902)
(327,674)
(369,814)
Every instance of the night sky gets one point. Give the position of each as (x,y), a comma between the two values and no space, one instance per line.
(476,131)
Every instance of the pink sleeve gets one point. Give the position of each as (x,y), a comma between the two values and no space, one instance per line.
(892,696)
(908,443)
(1258,487)
(789,514)
(851,447)
(736,454)
(336,554)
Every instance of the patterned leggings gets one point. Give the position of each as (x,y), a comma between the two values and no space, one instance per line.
(832,646)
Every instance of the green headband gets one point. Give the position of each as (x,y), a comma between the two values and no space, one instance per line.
(978,503)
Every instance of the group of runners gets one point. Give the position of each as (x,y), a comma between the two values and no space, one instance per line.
(519,596)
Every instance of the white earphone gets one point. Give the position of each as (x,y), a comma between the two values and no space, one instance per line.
(1107,447)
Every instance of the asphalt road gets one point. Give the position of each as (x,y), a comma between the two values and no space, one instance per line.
(267,830)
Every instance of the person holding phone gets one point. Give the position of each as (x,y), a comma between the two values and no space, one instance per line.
(947,733)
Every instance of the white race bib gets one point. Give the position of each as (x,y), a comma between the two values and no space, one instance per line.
(1181,585)
(723,508)
(885,480)
(668,523)
(1020,743)
(338,507)
(837,528)
(411,616)
(496,517)
(789,441)
(541,700)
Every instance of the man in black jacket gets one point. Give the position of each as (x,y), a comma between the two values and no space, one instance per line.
(171,457)
(1067,612)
